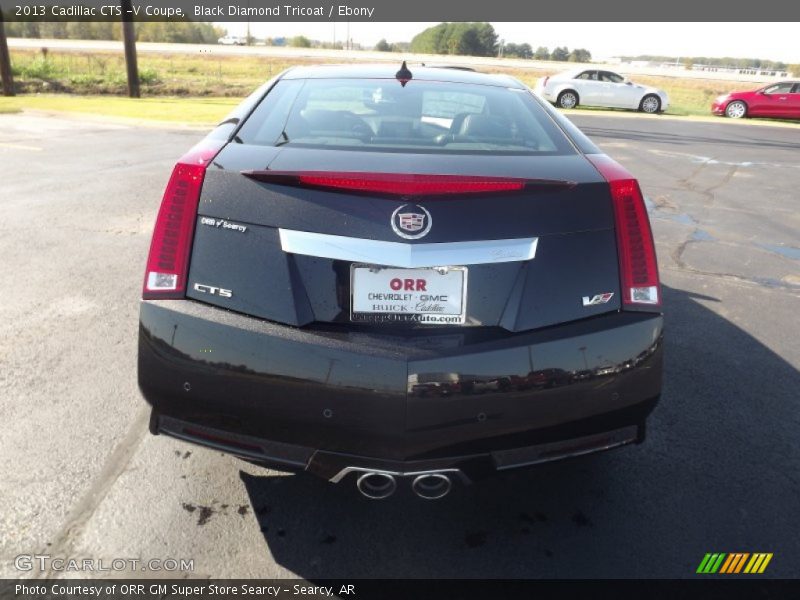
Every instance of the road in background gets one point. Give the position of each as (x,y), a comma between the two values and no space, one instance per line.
(720,471)
(346,56)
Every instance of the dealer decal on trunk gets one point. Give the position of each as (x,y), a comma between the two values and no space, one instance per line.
(223,224)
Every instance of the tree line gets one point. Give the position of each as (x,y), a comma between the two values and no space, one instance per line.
(480,39)
(471,39)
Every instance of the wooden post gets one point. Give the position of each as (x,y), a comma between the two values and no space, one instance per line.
(129,38)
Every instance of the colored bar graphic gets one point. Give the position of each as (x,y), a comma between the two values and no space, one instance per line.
(734,563)
(727,564)
(730,566)
(716,565)
(764,564)
(703,564)
(711,563)
(755,562)
(741,562)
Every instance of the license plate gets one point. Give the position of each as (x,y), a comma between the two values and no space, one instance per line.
(389,295)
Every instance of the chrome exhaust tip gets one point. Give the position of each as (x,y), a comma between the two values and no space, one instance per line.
(432,486)
(376,486)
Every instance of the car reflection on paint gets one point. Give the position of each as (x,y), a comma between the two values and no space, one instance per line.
(548,378)
(582,375)
(435,384)
(606,370)
(449,384)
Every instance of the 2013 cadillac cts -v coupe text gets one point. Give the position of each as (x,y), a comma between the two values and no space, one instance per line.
(391,277)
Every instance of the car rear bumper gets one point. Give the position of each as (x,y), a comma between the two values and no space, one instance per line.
(332,402)
(542,92)
(468,468)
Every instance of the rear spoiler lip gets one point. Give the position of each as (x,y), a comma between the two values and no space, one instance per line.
(403,182)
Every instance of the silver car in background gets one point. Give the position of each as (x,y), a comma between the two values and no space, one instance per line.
(232,40)
(594,87)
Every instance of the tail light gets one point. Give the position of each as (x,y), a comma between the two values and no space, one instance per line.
(637,254)
(403,184)
(168,261)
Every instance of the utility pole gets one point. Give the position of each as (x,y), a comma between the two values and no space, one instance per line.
(129,38)
(247,39)
(5,61)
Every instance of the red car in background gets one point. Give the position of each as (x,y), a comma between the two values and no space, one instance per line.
(780,100)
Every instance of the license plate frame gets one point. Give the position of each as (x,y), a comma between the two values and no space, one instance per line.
(411,316)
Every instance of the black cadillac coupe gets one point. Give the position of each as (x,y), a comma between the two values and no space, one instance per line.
(388,277)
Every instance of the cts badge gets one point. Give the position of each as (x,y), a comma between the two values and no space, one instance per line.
(411,221)
(210,289)
(597,299)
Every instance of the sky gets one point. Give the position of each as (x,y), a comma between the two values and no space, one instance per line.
(770,41)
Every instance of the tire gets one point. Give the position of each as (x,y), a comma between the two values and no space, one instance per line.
(650,104)
(736,110)
(567,99)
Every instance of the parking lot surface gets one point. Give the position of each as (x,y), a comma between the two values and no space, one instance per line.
(81,477)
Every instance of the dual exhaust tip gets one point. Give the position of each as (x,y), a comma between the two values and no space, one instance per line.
(429,486)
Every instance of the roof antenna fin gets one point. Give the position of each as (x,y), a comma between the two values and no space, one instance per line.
(404,75)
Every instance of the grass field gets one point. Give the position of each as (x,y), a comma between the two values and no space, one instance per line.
(194,88)
(187,110)
(160,74)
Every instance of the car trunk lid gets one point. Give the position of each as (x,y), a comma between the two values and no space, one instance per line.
(254,197)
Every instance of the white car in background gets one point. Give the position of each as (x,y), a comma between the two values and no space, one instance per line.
(232,40)
(593,87)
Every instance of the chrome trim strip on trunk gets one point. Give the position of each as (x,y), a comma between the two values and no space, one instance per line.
(399,254)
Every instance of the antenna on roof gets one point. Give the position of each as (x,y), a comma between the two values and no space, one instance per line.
(404,75)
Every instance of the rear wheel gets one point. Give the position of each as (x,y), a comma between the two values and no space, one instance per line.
(650,104)
(567,99)
(736,109)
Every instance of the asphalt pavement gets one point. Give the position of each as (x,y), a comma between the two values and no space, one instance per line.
(81,477)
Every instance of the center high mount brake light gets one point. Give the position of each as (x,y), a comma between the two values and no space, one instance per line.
(403,184)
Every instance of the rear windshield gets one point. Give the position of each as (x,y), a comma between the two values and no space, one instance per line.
(422,116)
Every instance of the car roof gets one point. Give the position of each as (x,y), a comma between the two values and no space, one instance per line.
(389,71)
(763,86)
(573,72)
